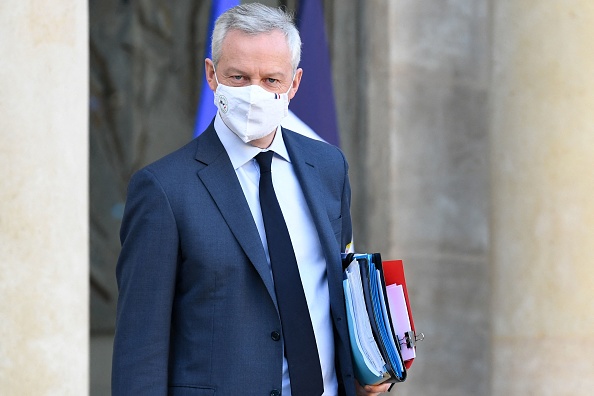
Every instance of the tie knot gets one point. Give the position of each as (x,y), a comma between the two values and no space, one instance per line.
(265,160)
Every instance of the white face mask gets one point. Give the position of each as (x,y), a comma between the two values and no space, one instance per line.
(251,112)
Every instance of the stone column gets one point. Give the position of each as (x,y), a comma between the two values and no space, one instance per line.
(44,276)
(420,172)
(542,158)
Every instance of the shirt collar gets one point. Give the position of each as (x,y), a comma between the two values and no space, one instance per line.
(239,152)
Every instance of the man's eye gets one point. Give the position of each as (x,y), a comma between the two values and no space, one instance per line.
(237,78)
(271,80)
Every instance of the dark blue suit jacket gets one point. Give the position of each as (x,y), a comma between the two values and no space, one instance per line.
(197,308)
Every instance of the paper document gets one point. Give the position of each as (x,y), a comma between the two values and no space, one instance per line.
(400,319)
(369,347)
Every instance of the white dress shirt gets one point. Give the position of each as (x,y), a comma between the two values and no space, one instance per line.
(304,236)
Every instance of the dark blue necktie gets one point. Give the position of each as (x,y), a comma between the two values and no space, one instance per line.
(300,344)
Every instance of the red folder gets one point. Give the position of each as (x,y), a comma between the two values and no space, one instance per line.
(394,274)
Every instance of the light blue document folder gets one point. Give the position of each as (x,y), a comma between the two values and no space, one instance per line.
(363,370)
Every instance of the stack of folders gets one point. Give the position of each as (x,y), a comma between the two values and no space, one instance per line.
(381,326)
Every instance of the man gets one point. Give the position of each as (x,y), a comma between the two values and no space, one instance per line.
(200,310)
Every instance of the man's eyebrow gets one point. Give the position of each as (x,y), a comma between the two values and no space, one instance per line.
(277,75)
(233,71)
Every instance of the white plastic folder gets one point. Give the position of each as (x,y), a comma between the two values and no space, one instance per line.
(381,328)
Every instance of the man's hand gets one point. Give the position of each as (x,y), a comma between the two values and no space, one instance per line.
(371,390)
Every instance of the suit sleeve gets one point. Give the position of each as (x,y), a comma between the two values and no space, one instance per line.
(146,273)
(346,377)
(347,226)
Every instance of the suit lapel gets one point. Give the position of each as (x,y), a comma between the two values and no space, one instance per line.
(231,201)
(307,172)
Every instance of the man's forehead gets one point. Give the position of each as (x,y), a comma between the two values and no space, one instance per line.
(244,52)
(276,35)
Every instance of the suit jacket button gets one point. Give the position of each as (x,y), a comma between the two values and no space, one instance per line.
(275,335)
(275,392)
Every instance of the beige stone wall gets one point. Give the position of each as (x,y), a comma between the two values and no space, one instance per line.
(44,251)
(542,134)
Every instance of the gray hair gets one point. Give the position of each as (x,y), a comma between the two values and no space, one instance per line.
(256,18)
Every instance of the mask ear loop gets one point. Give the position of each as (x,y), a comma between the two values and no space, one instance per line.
(291,85)
(215,73)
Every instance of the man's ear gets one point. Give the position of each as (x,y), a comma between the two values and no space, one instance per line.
(209,70)
(296,82)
